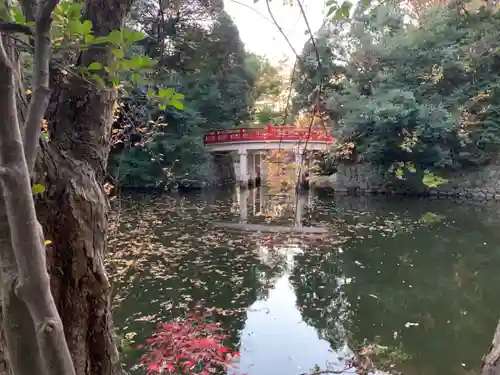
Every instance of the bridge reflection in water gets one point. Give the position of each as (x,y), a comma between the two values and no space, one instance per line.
(271,213)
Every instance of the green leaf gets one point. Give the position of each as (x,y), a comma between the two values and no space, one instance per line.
(37,189)
(177,104)
(95,66)
(118,53)
(63,7)
(345,9)
(131,36)
(74,11)
(75,27)
(162,107)
(136,77)
(18,16)
(98,79)
(88,39)
(115,81)
(331,10)
(115,37)
(136,62)
(330,2)
(166,93)
(151,93)
(86,28)
(100,39)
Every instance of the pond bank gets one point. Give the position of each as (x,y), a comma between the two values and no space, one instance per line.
(366,179)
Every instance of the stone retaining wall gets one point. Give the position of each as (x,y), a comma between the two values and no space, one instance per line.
(361,179)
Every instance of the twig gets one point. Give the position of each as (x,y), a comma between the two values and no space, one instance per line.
(41,78)
(281,29)
(330,371)
(254,10)
(301,7)
(11,27)
(318,97)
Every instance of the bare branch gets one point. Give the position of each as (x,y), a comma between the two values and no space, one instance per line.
(45,15)
(310,32)
(41,78)
(281,30)
(4,58)
(12,27)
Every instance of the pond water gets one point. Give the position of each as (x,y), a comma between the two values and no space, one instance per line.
(419,277)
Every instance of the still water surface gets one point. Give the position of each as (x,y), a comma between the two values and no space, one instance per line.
(420,277)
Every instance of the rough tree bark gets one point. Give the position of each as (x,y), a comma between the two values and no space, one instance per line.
(25,282)
(74,208)
(491,361)
(24,356)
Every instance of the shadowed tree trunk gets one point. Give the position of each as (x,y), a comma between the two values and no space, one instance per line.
(74,209)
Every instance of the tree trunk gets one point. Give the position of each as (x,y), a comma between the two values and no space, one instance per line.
(491,361)
(74,216)
(74,213)
(74,208)
(15,317)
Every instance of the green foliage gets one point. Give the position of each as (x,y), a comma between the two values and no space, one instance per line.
(206,61)
(265,116)
(420,98)
(70,32)
(265,78)
(193,48)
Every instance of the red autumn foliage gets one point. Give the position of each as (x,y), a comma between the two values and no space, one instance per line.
(191,346)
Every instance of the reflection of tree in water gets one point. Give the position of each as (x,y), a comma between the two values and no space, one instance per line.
(318,284)
(184,264)
(395,272)
(435,277)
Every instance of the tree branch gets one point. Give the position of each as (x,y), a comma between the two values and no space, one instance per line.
(33,286)
(329,371)
(11,27)
(29,8)
(41,78)
(23,353)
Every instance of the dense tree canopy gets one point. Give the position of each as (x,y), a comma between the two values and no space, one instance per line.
(409,92)
(202,56)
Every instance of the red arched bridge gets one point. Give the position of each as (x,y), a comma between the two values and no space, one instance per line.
(249,146)
(268,138)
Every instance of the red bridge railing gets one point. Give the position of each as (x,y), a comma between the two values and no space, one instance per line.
(271,133)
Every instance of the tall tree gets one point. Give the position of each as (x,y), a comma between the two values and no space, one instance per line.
(71,164)
(204,57)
